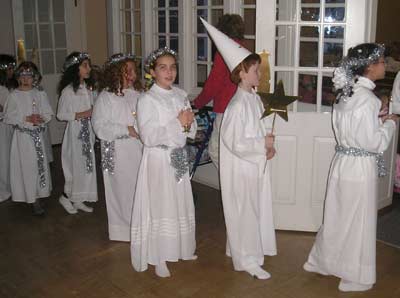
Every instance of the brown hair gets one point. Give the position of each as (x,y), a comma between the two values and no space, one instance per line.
(245,66)
(154,64)
(137,84)
(232,25)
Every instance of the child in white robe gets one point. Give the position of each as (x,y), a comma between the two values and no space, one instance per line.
(114,123)
(77,153)
(163,217)
(345,245)
(28,109)
(7,66)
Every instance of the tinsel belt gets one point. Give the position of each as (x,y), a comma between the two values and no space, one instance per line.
(352,151)
(179,160)
(37,141)
(87,150)
(108,154)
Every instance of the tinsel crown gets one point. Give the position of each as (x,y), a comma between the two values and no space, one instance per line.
(76,59)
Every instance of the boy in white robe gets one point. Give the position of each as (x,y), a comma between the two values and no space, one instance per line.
(28,109)
(77,153)
(115,124)
(345,245)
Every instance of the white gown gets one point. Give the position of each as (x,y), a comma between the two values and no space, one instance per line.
(80,185)
(163,218)
(6,132)
(111,117)
(24,172)
(396,94)
(346,242)
(245,188)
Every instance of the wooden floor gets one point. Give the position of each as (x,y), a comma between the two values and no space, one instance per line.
(64,255)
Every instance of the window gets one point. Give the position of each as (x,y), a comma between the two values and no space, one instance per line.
(44,30)
(131,28)
(248,12)
(167,24)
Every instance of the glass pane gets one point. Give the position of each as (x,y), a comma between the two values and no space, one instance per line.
(173,21)
(287,77)
(333,32)
(173,3)
(45,37)
(44,10)
(285,45)
(217,2)
(335,1)
(202,2)
(250,44)
(173,43)
(47,58)
(127,41)
(162,41)
(334,14)
(58,10)
(138,45)
(31,39)
(328,94)
(249,18)
(307,89)
(127,4)
(60,40)
(136,21)
(309,36)
(136,4)
(201,74)
(285,10)
(161,21)
(249,2)
(161,3)
(310,10)
(127,21)
(202,48)
(60,56)
(333,53)
(29,11)
(215,15)
(204,14)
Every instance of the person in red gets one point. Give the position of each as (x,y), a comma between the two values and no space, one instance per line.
(218,86)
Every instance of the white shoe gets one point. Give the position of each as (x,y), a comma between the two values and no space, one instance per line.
(83,207)
(349,286)
(162,270)
(258,272)
(312,268)
(67,205)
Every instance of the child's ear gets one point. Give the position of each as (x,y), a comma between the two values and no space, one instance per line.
(241,74)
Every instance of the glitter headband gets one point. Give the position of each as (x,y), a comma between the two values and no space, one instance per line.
(29,72)
(344,78)
(156,54)
(76,59)
(7,65)
(118,58)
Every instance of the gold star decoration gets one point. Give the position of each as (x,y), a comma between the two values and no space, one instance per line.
(277,102)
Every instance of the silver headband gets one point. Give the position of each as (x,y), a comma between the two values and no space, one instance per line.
(7,65)
(156,54)
(118,58)
(76,59)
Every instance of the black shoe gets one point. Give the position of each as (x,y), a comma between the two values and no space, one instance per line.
(37,209)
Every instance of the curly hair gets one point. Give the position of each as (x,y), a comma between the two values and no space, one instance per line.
(137,84)
(29,65)
(232,25)
(71,76)
(7,62)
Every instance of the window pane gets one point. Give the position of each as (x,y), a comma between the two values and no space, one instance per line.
(284,45)
(202,2)
(334,14)
(250,44)
(126,4)
(47,58)
(249,2)
(307,89)
(333,32)
(173,3)
(173,43)
(162,41)
(161,21)
(201,74)
(328,95)
(202,48)
(217,2)
(204,14)
(310,10)
(215,15)
(136,4)
(136,20)
(285,10)
(59,36)
(161,3)
(127,22)
(29,11)
(287,77)
(31,39)
(44,10)
(127,42)
(249,18)
(138,45)
(333,53)
(45,37)
(58,10)
(173,21)
(309,46)
(60,56)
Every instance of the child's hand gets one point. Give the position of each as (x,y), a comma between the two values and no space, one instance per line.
(84,114)
(271,153)
(132,132)
(186,117)
(35,119)
(393,117)
(269,141)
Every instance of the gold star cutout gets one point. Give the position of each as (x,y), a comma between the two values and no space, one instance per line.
(277,102)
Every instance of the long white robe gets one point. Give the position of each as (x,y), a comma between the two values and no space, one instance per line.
(396,94)
(111,117)
(80,185)
(346,242)
(24,178)
(163,218)
(245,188)
(6,132)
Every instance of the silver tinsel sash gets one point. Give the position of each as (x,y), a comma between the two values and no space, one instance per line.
(35,135)
(179,161)
(108,155)
(87,151)
(380,162)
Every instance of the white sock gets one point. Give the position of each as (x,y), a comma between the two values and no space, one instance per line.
(162,270)
(349,286)
(314,269)
(258,272)
(191,258)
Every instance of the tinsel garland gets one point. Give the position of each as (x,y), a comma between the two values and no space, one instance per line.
(108,155)
(76,59)
(352,151)
(179,160)
(84,137)
(35,135)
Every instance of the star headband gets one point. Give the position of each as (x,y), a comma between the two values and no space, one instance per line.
(118,58)
(7,65)
(76,59)
(156,54)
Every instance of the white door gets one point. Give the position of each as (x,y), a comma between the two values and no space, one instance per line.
(54,28)
(306,39)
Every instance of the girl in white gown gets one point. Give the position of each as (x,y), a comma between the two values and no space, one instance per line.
(345,245)
(28,109)
(163,217)
(114,122)
(77,152)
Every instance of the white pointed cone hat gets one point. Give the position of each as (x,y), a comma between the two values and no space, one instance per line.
(232,52)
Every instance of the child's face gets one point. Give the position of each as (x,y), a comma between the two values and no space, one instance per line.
(252,76)
(165,71)
(130,74)
(84,70)
(10,72)
(25,82)
(376,71)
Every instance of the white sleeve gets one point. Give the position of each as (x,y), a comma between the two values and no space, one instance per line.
(65,111)
(46,110)
(396,94)
(12,115)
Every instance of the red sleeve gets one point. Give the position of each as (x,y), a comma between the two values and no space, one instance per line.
(214,81)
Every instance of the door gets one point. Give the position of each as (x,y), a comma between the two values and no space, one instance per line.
(306,40)
(54,28)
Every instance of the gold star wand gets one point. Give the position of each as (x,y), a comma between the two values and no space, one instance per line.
(276,103)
